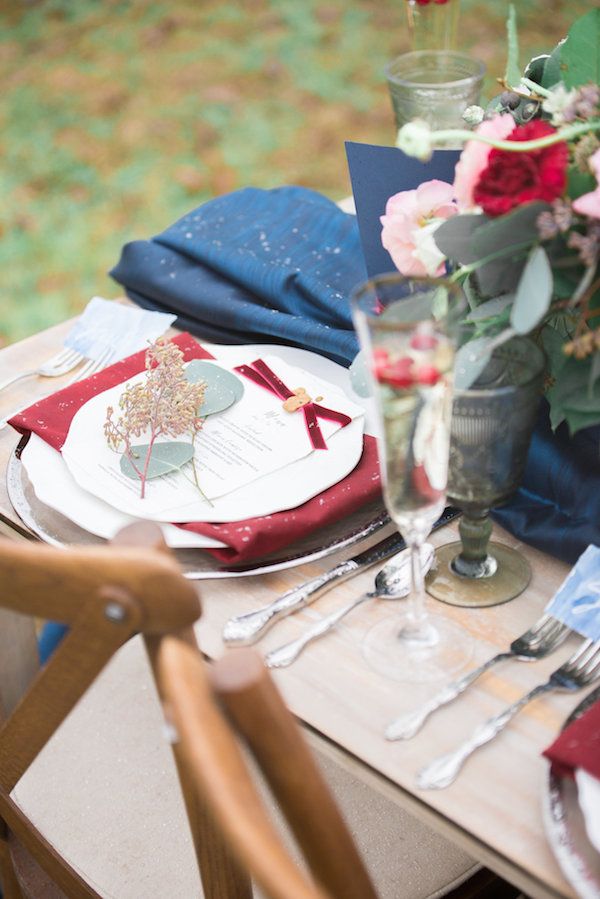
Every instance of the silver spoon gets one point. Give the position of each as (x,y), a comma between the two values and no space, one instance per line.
(392,582)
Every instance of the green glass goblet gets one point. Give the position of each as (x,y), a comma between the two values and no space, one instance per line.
(491,429)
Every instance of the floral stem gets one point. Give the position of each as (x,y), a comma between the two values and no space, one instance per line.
(514,146)
(497,254)
(582,287)
(144,474)
(195,471)
(536,88)
(585,312)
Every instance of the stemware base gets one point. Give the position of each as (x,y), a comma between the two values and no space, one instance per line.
(391,651)
(512,575)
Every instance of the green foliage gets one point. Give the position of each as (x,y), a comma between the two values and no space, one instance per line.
(579,183)
(455,236)
(492,310)
(118,117)
(471,359)
(575,398)
(552,73)
(164,459)
(580,54)
(223,388)
(513,70)
(534,293)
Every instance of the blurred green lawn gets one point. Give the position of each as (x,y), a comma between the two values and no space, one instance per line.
(118,117)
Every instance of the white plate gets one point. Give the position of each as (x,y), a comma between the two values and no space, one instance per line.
(197,564)
(55,486)
(279,491)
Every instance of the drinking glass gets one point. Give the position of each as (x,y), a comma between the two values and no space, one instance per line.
(492,422)
(406,329)
(435,86)
(432,26)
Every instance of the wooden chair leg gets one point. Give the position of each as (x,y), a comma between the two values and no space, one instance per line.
(8,879)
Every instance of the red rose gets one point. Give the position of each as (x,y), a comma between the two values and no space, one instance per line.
(512,179)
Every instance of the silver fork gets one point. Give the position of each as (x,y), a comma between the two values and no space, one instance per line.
(90,368)
(577,672)
(61,363)
(541,639)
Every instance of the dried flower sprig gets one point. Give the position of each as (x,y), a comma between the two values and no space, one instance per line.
(165,404)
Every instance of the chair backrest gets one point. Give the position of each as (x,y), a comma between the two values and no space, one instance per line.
(208,706)
(105,595)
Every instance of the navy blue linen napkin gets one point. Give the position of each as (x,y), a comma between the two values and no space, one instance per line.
(254,266)
(279,266)
(557,507)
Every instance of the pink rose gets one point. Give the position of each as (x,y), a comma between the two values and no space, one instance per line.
(474,159)
(589,204)
(410,219)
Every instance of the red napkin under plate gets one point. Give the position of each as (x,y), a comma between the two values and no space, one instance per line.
(578,746)
(252,538)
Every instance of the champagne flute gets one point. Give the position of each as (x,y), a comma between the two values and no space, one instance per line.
(406,328)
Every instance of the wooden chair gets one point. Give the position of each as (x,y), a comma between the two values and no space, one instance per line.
(106,595)
(252,708)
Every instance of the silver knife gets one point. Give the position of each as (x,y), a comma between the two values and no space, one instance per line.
(245,629)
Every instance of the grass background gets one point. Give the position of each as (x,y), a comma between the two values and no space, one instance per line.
(118,117)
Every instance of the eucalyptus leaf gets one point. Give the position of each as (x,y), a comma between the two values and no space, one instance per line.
(580,53)
(565,282)
(508,233)
(571,398)
(513,71)
(439,303)
(216,399)
(491,308)
(470,361)
(454,237)
(534,293)
(223,388)
(594,371)
(164,458)
(501,275)
(534,70)
(552,68)
(577,420)
(553,348)
(505,240)
(579,183)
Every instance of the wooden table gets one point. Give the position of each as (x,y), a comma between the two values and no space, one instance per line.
(493,810)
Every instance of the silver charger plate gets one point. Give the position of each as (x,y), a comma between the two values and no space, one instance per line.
(197,564)
(565,825)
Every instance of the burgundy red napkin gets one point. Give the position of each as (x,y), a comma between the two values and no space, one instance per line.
(252,538)
(578,746)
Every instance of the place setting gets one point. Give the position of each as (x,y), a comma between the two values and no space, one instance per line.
(284,382)
(258,458)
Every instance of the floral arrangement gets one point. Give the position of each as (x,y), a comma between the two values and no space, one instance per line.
(520,226)
(164,405)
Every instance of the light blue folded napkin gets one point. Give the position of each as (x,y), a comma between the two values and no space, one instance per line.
(105,327)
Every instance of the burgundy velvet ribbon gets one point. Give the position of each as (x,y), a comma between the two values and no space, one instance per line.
(259,372)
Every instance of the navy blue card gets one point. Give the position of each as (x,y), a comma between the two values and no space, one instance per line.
(376,174)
